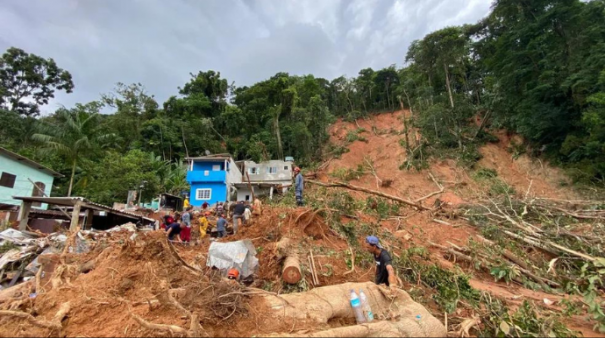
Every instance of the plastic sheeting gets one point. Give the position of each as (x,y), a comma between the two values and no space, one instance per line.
(240,255)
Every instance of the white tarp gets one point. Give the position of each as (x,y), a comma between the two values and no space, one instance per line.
(240,255)
(17,237)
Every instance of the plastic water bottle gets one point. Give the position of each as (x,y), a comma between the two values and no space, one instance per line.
(356,304)
(365,305)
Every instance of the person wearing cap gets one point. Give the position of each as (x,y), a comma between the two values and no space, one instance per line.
(299,184)
(385,274)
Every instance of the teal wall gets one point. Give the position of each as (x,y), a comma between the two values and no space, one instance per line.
(22,187)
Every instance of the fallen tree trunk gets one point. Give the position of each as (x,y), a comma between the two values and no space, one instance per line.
(323,304)
(486,266)
(368,191)
(291,272)
(509,255)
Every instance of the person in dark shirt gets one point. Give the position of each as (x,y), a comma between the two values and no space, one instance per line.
(174,230)
(385,274)
(238,213)
(221,226)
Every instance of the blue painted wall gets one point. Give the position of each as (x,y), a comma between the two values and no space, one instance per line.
(218,193)
(22,186)
(204,177)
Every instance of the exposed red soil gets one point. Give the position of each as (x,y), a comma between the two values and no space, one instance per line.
(531,177)
(132,271)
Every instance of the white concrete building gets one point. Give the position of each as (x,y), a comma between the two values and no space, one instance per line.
(264,179)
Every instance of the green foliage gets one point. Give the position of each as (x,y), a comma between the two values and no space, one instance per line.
(505,272)
(74,135)
(110,180)
(500,187)
(348,174)
(383,208)
(525,322)
(485,173)
(594,274)
(28,81)
(450,287)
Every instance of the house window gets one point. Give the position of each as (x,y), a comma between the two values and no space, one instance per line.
(203,194)
(253,170)
(286,167)
(272,170)
(216,167)
(7,180)
(206,172)
(38,192)
(247,197)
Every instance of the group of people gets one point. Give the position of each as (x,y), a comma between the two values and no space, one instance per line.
(178,227)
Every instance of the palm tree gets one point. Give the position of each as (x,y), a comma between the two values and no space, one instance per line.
(176,178)
(72,134)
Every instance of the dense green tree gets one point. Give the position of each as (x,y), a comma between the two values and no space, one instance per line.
(111,179)
(73,134)
(28,81)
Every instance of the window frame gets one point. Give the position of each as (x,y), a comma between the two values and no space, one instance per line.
(216,167)
(202,190)
(271,170)
(253,170)
(5,180)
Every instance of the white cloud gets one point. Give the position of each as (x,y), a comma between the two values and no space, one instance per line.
(159,43)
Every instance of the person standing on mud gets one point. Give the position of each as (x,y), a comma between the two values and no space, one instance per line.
(298,187)
(385,274)
(238,213)
(186,220)
(221,226)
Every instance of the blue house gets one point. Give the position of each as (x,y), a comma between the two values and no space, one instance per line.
(212,178)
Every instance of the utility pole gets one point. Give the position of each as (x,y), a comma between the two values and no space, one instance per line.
(141,192)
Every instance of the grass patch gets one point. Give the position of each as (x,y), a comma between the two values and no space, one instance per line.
(348,174)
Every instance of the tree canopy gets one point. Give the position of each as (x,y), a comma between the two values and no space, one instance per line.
(536,68)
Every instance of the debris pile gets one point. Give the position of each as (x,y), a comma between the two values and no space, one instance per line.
(161,294)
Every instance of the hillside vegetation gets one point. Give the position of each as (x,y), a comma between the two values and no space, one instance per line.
(535,68)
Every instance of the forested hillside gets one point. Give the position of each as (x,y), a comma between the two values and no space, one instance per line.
(535,68)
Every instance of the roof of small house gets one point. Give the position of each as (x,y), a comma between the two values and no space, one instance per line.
(22,159)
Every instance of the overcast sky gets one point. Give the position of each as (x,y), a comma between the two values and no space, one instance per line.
(159,42)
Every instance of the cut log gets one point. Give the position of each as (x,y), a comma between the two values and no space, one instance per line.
(368,191)
(291,273)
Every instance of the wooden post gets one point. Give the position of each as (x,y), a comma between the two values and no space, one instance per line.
(75,216)
(271,193)
(26,207)
(89,215)
(250,186)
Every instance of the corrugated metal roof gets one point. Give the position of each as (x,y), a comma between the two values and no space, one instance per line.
(71,201)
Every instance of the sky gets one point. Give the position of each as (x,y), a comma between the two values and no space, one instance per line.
(158,43)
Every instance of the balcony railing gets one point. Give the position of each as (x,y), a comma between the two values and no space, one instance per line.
(206,176)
